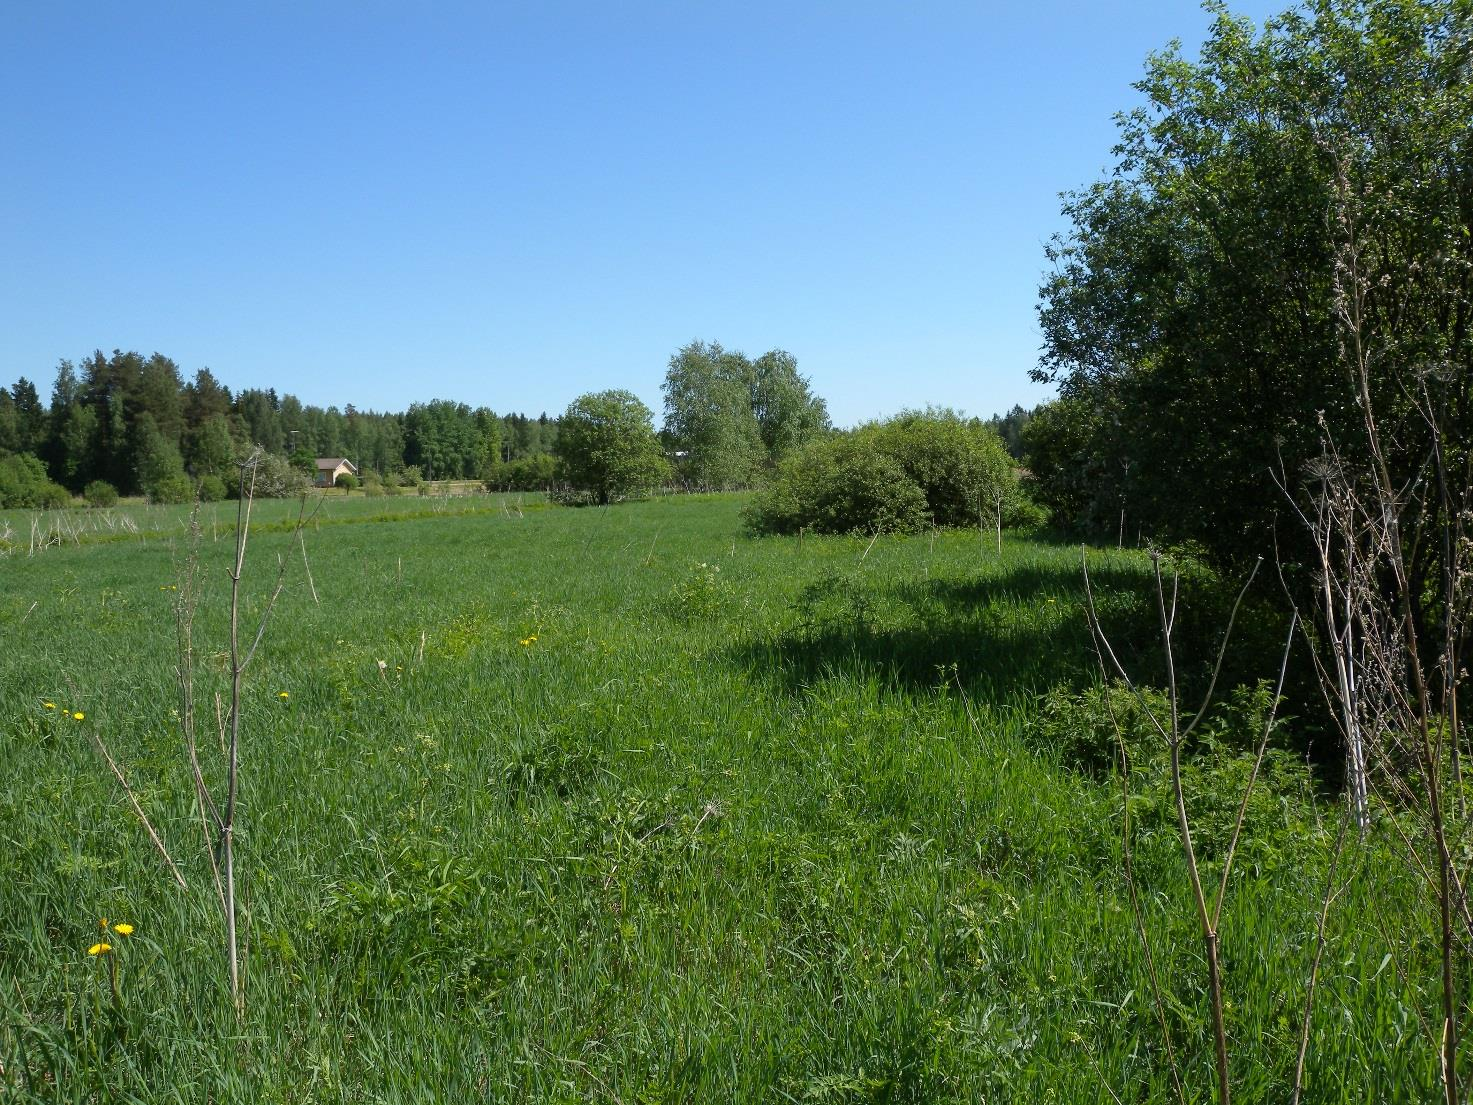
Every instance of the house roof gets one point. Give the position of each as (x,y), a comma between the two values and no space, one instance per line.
(329,464)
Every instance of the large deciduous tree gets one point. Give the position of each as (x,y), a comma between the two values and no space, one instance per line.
(788,414)
(607,446)
(709,420)
(1193,322)
(728,418)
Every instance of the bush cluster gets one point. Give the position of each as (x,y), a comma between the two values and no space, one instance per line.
(277,478)
(171,489)
(24,483)
(837,486)
(1086,729)
(211,489)
(918,469)
(533,473)
(100,493)
(377,484)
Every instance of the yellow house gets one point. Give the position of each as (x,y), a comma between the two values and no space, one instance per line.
(330,468)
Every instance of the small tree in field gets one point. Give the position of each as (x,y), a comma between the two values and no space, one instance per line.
(607,446)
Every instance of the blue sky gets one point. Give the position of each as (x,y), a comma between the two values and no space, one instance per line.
(379,203)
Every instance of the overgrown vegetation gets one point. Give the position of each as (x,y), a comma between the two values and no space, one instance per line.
(918,469)
(636,805)
(23,483)
(1191,321)
(661,812)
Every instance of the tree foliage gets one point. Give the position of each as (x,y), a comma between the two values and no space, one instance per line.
(1010,428)
(450,440)
(788,414)
(917,469)
(124,418)
(728,418)
(607,446)
(709,421)
(1191,322)
(23,483)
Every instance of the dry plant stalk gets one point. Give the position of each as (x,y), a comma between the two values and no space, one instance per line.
(153,835)
(1174,730)
(218,818)
(1393,598)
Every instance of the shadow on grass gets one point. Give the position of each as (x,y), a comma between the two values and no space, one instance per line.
(1001,635)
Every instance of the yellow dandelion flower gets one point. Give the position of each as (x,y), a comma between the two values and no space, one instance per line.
(102,924)
(124,929)
(79,715)
(284,694)
(99,949)
(49,705)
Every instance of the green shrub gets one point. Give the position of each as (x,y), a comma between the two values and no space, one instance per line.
(960,466)
(1020,511)
(411,476)
(100,493)
(24,483)
(866,490)
(917,469)
(171,489)
(53,496)
(1086,729)
(783,506)
(347,481)
(840,485)
(376,485)
(700,595)
(211,489)
(571,496)
(534,473)
(278,478)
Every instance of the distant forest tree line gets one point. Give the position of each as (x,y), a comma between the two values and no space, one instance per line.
(134,425)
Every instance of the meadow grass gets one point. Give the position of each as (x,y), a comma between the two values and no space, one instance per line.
(29,531)
(620,804)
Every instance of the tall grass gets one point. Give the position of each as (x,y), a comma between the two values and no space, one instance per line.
(552,811)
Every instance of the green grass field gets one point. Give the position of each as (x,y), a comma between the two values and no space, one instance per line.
(28,531)
(621,805)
